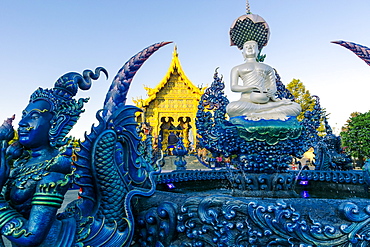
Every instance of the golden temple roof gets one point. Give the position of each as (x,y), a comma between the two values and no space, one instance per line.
(175,67)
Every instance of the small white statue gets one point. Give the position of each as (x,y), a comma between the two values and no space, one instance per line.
(258,99)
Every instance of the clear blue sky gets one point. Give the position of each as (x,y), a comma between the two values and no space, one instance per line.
(42,40)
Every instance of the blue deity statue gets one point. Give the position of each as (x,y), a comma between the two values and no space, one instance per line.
(37,170)
(42,172)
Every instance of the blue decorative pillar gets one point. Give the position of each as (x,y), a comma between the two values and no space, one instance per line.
(180,151)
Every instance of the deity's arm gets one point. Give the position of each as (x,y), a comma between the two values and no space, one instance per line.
(4,165)
(33,230)
(234,86)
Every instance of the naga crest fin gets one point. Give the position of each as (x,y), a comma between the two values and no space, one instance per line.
(117,93)
(110,168)
(361,51)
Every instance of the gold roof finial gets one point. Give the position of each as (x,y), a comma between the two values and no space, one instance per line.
(248,9)
(175,54)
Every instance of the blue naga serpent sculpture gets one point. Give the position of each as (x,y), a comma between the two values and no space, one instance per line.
(109,166)
(111,153)
(361,51)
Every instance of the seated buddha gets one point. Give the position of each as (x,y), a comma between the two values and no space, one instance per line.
(258,90)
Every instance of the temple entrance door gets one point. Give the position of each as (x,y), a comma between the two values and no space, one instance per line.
(164,133)
(169,133)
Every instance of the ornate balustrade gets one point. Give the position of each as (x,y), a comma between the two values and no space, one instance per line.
(245,181)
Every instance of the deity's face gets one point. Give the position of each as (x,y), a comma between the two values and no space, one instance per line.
(250,49)
(35,124)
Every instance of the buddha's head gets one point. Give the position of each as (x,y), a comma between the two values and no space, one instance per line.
(250,49)
(51,113)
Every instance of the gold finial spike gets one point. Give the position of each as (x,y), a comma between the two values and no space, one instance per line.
(175,54)
(248,10)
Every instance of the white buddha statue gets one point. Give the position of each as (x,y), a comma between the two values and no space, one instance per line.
(258,90)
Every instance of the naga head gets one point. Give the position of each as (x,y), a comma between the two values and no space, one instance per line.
(51,113)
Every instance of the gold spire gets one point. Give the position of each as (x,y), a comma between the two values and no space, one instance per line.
(175,54)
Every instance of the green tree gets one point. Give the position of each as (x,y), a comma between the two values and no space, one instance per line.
(302,96)
(356,136)
(352,115)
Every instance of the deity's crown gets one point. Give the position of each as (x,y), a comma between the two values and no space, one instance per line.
(249,27)
(65,108)
(66,87)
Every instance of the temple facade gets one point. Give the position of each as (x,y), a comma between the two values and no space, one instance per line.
(171,107)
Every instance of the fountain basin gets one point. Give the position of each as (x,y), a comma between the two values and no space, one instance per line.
(203,210)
